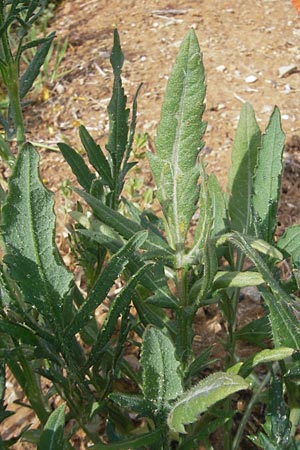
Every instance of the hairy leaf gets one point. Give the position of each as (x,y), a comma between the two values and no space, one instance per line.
(209,391)
(244,158)
(28,224)
(268,177)
(178,140)
(161,380)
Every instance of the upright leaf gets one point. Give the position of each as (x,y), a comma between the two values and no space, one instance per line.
(197,400)
(83,174)
(178,140)
(244,157)
(33,69)
(267,178)
(28,225)
(52,437)
(118,116)
(161,380)
(96,156)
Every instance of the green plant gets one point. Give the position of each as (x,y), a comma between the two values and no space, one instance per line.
(155,273)
(16,19)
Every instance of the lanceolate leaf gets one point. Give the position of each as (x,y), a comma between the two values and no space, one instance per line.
(161,380)
(205,221)
(118,114)
(178,141)
(126,227)
(105,281)
(96,156)
(290,243)
(52,437)
(28,224)
(135,442)
(33,69)
(244,157)
(197,400)
(285,325)
(267,178)
(119,305)
(264,357)
(83,174)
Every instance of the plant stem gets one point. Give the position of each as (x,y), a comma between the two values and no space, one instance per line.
(10,76)
(242,425)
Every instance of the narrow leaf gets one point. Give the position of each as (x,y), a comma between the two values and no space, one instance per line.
(33,69)
(28,225)
(126,227)
(105,281)
(264,357)
(136,442)
(197,400)
(83,174)
(161,380)
(244,158)
(117,308)
(268,177)
(178,140)
(96,156)
(285,325)
(52,437)
(117,111)
(290,242)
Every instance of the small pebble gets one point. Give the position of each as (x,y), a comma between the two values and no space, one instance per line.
(251,79)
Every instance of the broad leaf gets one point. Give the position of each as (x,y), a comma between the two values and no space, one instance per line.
(197,400)
(52,437)
(161,380)
(178,140)
(244,158)
(267,178)
(28,224)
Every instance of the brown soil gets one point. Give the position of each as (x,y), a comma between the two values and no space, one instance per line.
(238,38)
